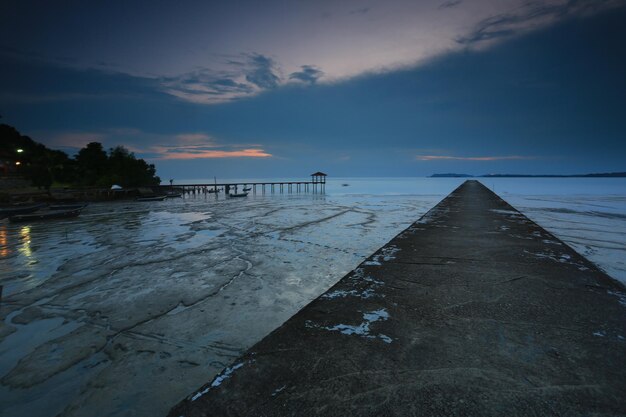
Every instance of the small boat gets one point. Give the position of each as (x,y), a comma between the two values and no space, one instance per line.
(247,189)
(46,215)
(345,185)
(20,209)
(213,190)
(67,206)
(153,198)
(238,195)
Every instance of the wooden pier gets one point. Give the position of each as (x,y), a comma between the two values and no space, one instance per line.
(316,185)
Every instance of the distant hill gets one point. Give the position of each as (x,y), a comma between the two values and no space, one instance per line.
(598,175)
(451,176)
(607,175)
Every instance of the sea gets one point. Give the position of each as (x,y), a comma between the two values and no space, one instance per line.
(132,306)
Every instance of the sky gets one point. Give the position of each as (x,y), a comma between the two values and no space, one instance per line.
(249,89)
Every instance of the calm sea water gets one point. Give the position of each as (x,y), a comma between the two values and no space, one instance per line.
(131,306)
(587,213)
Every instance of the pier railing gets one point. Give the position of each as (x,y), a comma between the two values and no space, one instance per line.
(255,187)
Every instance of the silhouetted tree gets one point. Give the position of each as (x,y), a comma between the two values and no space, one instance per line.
(92,164)
(37,163)
(128,171)
(62,167)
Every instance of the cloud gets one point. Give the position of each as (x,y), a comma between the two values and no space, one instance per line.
(476,25)
(244,76)
(27,80)
(362,10)
(221,62)
(260,72)
(309,74)
(194,138)
(153,146)
(196,145)
(42,98)
(200,146)
(199,153)
(471,158)
(74,140)
(206,86)
(532,15)
(449,4)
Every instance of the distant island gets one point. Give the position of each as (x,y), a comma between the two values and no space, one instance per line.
(599,175)
(450,175)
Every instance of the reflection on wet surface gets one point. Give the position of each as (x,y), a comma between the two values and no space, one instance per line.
(129,307)
(595,226)
(4,242)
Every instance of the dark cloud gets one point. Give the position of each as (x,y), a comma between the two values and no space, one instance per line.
(236,63)
(238,77)
(449,4)
(30,79)
(205,82)
(534,11)
(107,64)
(309,74)
(227,85)
(260,72)
(26,54)
(362,10)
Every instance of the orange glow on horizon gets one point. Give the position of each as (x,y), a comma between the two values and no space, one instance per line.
(243,153)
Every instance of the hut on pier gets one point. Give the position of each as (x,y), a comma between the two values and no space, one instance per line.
(318,178)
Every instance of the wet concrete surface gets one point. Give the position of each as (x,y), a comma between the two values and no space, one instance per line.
(472,310)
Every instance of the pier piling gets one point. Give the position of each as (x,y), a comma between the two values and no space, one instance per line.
(285,186)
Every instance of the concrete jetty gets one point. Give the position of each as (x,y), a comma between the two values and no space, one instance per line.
(474,310)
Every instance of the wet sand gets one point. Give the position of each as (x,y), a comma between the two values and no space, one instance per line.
(126,309)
